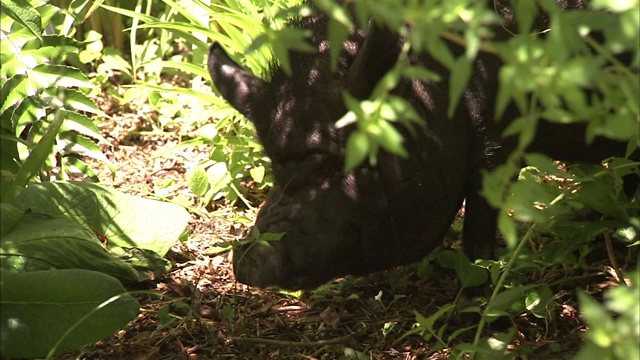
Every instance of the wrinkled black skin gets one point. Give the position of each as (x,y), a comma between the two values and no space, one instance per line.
(379,216)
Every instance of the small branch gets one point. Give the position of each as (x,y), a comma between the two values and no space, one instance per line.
(457,39)
(612,258)
(292,343)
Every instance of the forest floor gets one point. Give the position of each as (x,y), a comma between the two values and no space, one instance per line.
(201,312)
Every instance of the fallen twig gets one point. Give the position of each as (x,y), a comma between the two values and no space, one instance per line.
(612,258)
(318,343)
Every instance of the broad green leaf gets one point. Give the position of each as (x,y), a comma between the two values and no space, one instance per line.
(505,299)
(148,263)
(60,310)
(537,301)
(530,200)
(470,275)
(43,242)
(24,14)
(10,217)
(6,178)
(541,162)
(59,75)
(257,173)
(600,195)
(125,220)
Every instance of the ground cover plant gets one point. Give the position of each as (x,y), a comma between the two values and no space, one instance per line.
(143,119)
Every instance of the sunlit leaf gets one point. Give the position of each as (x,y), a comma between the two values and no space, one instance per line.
(24,14)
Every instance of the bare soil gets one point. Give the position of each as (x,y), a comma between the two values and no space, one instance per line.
(201,312)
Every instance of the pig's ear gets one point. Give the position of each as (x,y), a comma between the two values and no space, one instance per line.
(236,85)
(376,57)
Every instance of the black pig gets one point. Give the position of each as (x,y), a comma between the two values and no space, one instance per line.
(378,216)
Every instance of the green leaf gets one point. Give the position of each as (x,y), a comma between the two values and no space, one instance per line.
(537,301)
(218,176)
(391,139)
(72,143)
(129,13)
(73,165)
(82,125)
(6,180)
(15,90)
(42,242)
(257,173)
(470,275)
(9,219)
(24,14)
(198,181)
(460,74)
(61,43)
(59,75)
(358,145)
(505,299)
(40,152)
(148,263)
(53,311)
(181,29)
(420,73)
(186,67)
(439,50)
(28,112)
(29,58)
(76,101)
(207,97)
(126,221)
(271,236)
(525,12)
(600,195)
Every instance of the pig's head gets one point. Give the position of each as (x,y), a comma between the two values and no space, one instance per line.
(333,223)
